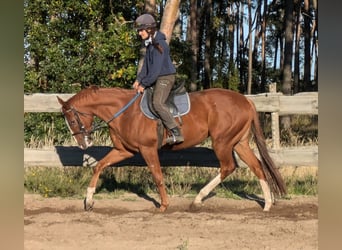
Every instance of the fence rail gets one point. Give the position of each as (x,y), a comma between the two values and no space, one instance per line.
(274,103)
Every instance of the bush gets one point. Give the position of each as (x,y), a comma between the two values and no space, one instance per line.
(50,182)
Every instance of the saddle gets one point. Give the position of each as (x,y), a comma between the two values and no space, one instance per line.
(178,102)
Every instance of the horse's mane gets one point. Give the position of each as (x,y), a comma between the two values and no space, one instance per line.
(84,93)
(91,90)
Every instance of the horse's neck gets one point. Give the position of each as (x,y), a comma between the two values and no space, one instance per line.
(109,104)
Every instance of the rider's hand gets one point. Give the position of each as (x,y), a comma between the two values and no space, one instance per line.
(136,85)
(140,89)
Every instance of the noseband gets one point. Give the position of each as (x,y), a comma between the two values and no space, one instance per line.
(82,129)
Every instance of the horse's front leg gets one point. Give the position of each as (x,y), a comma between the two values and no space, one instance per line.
(152,159)
(112,157)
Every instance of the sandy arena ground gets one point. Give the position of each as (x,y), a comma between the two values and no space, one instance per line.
(131,222)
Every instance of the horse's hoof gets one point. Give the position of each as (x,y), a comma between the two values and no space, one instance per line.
(194,206)
(88,206)
(267,209)
(162,208)
(267,206)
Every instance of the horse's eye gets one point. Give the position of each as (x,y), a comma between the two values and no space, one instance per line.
(72,123)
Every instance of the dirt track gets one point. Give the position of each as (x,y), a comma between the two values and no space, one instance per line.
(131,222)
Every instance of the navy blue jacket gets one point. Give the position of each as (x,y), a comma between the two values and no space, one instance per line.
(155,63)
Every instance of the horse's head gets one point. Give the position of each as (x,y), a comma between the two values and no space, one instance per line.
(79,124)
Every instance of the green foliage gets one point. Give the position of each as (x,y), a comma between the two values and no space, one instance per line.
(45,128)
(182,57)
(71,44)
(234,80)
(51,182)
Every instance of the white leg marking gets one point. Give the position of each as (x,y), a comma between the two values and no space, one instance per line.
(90,192)
(267,194)
(207,189)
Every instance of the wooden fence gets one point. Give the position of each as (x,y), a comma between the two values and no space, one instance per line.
(274,103)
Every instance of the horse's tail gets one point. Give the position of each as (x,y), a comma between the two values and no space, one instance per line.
(273,177)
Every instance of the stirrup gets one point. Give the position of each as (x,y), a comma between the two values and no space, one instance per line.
(172,139)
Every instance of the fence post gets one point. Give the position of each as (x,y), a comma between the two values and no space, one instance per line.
(272,88)
(275,131)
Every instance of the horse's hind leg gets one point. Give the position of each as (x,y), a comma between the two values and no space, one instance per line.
(207,189)
(247,155)
(227,166)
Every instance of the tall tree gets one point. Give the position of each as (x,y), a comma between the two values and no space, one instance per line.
(307,44)
(263,47)
(288,53)
(193,39)
(314,36)
(170,15)
(241,51)
(150,6)
(207,55)
(297,47)
(231,25)
(250,50)
(255,54)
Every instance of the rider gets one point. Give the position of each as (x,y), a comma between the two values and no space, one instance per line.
(157,71)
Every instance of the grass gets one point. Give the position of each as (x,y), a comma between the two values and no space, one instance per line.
(184,245)
(180,181)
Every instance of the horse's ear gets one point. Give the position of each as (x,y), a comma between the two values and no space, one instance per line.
(60,101)
(63,103)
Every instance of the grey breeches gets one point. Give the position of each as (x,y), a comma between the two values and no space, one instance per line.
(161,92)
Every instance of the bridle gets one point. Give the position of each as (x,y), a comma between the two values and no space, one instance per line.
(83,130)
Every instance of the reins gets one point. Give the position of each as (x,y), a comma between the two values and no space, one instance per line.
(123,109)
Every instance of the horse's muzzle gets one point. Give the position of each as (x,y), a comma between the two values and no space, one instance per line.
(87,142)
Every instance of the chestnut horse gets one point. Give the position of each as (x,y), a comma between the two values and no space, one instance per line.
(228,117)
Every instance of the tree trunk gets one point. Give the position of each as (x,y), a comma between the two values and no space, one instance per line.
(150,6)
(241,53)
(207,68)
(296,87)
(257,35)
(263,49)
(194,44)
(276,49)
(231,67)
(250,54)
(171,13)
(287,72)
(307,40)
(237,37)
(314,36)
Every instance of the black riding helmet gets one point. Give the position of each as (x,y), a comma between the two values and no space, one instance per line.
(145,21)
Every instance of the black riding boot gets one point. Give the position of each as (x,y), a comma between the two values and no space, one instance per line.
(175,137)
